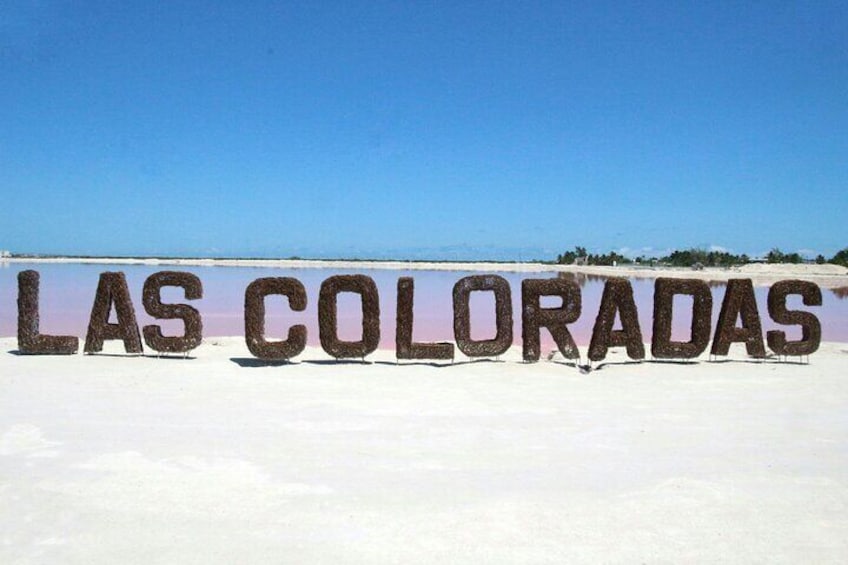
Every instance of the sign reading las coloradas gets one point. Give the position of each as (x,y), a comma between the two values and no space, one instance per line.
(738,320)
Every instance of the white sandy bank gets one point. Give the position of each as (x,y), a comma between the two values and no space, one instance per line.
(826,276)
(222,459)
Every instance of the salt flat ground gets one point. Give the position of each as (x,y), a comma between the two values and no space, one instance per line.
(223,459)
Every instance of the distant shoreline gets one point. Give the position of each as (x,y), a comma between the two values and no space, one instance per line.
(827,275)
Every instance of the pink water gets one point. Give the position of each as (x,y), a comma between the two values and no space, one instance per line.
(67,293)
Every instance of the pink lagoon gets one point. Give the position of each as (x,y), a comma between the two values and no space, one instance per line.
(67,293)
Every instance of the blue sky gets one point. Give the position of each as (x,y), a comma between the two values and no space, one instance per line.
(422,129)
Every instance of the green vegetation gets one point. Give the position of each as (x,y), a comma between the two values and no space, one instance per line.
(841,258)
(777,256)
(705,258)
(569,257)
(686,258)
(580,256)
(693,257)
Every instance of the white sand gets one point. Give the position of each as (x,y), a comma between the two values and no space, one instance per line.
(826,276)
(106,459)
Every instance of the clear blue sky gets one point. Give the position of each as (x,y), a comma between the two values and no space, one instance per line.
(427,129)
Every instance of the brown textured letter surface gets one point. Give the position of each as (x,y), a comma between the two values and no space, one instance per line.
(328,316)
(534,317)
(702,309)
(617,297)
(405,347)
(30,341)
(462,315)
(739,301)
(112,288)
(254,318)
(193,333)
(810,326)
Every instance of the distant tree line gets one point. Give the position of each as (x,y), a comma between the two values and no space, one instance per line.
(841,258)
(778,256)
(691,258)
(580,256)
(704,258)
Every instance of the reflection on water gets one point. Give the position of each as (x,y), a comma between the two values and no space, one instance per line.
(581,278)
(840,292)
(67,294)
